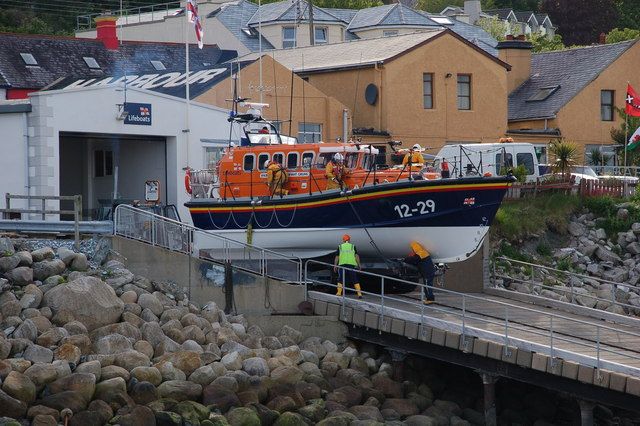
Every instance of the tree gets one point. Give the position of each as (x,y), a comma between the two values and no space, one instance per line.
(521,5)
(580,22)
(542,43)
(616,35)
(629,14)
(564,155)
(498,29)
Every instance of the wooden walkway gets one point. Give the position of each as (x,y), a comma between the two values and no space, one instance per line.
(576,340)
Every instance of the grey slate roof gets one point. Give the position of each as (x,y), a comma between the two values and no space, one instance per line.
(571,69)
(345,15)
(523,16)
(289,11)
(475,35)
(540,17)
(63,56)
(235,17)
(389,15)
(500,13)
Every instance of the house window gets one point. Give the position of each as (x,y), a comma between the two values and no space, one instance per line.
(102,163)
(464,91)
(320,35)
(606,105)
(389,33)
(309,132)
(427,90)
(288,37)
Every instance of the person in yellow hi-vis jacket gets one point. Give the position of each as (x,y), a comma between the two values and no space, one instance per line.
(347,256)
(414,158)
(276,178)
(335,172)
(421,258)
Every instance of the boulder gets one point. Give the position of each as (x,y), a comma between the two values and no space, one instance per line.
(11,407)
(8,263)
(287,374)
(147,374)
(20,276)
(37,354)
(203,375)
(32,297)
(113,392)
(144,393)
(131,359)
(27,330)
(243,417)
(82,383)
(151,302)
(180,390)
(20,387)
(80,262)
(138,416)
(68,352)
(256,366)
(44,253)
(112,344)
(6,247)
(403,407)
(606,255)
(92,302)
(220,398)
(47,268)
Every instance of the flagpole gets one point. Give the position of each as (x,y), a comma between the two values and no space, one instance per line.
(187,95)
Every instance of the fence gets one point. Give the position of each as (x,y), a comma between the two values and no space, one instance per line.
(547,336)
(608,187)
(540,272)
(539,187)
(147,13)
(44,211)
(141,225)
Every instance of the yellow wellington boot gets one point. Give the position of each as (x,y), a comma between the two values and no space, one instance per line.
(358,290)
(339,292)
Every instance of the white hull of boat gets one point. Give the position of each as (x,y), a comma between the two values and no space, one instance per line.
(446,244)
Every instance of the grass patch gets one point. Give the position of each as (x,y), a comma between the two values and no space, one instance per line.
(606,210)
(516,220)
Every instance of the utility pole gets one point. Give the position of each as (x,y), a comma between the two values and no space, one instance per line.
(312,38)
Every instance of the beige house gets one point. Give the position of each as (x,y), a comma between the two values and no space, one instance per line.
(570,94)
(430,88)
(301,109)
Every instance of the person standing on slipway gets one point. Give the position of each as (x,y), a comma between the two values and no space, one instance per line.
(347,256)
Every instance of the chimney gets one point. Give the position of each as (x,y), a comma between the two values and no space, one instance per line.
(472,8)
(516,51)
(106,31)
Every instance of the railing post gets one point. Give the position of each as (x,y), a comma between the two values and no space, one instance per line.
(306,285)
(551,337)
(8,202)
(598,348)
(44,207)
(613,293)
(382,300)
(464,316)
(77,206)
(506,326)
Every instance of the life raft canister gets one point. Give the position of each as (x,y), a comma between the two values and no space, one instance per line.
(187,181)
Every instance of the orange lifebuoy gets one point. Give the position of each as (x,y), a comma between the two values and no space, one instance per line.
(187,181)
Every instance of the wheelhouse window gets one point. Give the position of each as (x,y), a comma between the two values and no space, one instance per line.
(292,160)
(307,160)
(606,105)
(262,161)
(464,92)
(288,37)
(320,35)
(278,158)
(309,132)
(248,163)
(427,90)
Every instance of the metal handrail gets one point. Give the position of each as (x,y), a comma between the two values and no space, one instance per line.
(188,246)
(508,324)
(614,285)
(84,22)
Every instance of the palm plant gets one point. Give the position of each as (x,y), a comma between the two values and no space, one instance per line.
(564,154)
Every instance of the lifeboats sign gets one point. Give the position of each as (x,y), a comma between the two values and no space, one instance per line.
(139,114)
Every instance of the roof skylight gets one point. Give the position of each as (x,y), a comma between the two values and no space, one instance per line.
(158,65)
(28,59)
(91,62)
(542,93)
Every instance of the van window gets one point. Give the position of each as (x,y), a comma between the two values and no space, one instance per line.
(262,160)
(307,160)
(292,160)
(507,162)
(249,162)
(525,159)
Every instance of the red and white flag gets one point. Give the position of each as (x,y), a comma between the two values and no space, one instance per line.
(192,16)
(632,103)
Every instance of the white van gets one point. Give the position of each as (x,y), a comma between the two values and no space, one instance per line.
(480,158)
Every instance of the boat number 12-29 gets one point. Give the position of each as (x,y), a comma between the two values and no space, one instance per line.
(422,207)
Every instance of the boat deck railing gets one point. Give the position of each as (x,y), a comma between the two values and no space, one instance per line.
(159,231)
(597,344)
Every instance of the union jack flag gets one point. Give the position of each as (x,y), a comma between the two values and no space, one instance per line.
(469,201)
(192,17)
(144,111)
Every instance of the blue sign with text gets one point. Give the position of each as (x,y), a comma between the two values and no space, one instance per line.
(139,114)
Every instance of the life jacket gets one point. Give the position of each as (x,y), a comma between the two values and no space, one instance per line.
(347,254)
(419,250)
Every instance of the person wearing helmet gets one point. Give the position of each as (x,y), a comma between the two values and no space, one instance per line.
(421,258)
(414,159)
(335,172)
(347,256)
(276,178)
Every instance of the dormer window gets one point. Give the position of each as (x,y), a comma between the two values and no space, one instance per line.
(91,62)
(158,65)
(321,35)
(288,37)
(28,59)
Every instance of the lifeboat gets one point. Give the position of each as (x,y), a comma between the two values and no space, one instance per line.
(300,198)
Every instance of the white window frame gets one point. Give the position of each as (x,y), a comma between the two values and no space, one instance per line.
(289,43)
(313,157)
(286,166)
(302,133)
(325,30)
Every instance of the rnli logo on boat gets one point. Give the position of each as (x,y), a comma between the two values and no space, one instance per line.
(139,114)
(469,201)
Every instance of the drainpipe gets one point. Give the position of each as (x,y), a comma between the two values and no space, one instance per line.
(345,124)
